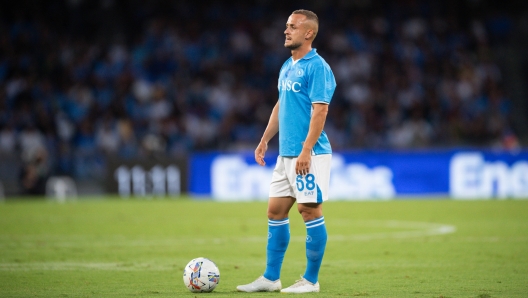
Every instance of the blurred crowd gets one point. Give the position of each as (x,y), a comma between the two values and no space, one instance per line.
(83,80)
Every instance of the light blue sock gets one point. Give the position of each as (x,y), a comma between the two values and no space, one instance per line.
(315,247)
(278,240)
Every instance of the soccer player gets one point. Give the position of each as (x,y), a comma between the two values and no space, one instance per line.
(302,173)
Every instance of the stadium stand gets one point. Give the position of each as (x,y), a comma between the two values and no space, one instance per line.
(84,80)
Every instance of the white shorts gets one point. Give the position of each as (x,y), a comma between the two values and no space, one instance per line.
(310,188)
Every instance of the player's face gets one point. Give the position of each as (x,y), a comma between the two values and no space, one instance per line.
(295,31)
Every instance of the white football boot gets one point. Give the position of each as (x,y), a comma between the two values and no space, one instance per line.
(302,286)
(261,284)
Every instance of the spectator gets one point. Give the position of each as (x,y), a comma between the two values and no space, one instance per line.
(7,139)
(34,172)
(160,78)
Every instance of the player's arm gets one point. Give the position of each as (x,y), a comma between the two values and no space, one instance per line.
(317,122)
(271,130)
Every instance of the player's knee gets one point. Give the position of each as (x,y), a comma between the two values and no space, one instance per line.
(307,216)
(278,208)
(276,213)
(310,211)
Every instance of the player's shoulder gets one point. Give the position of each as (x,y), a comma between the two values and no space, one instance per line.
(318,63)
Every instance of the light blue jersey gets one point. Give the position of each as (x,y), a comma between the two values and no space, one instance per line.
(310,80)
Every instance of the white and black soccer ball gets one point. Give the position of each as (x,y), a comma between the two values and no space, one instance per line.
(201,275)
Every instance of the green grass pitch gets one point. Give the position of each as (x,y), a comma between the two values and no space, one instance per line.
(138,248)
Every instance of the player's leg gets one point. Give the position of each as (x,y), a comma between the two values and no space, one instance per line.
(312,190)
(316,237)
(278,235)
(278,240)
(279,205)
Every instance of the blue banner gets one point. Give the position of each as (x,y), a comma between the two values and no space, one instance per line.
(460,174)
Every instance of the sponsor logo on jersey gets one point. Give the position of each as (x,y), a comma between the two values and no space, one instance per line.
(289,85)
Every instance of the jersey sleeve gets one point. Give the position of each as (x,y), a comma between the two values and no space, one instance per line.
(322,84)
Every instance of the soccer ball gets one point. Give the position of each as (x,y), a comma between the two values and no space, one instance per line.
(201,275)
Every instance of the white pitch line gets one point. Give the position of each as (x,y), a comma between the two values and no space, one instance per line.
(69,266)
(417,229)
(412,230)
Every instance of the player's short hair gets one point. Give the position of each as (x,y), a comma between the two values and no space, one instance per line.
(310,15)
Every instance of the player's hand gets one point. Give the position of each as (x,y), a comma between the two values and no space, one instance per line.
(260,152)
(302,167)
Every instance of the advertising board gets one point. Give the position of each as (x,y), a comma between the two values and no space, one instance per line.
(460,174)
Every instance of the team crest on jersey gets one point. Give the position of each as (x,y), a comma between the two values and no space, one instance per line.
(299,72)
